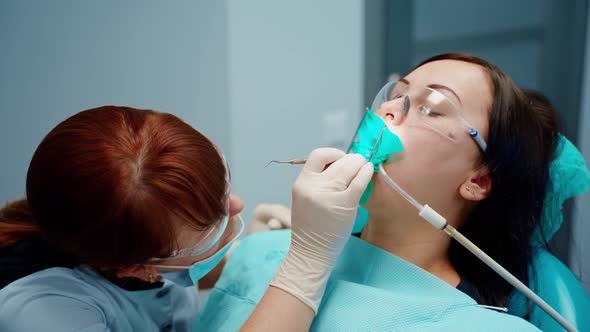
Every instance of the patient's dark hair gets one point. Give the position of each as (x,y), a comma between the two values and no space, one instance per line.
(523,132)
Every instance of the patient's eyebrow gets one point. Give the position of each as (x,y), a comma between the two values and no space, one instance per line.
(438,87)
(444,87)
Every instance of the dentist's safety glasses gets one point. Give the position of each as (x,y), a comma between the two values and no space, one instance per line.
(426,107)
(232,232)
(210,237)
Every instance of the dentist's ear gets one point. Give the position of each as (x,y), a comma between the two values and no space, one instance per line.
(477,186)
(144,272)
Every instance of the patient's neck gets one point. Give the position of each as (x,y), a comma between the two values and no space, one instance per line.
(415,241)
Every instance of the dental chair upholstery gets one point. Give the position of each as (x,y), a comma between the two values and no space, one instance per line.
(558,286)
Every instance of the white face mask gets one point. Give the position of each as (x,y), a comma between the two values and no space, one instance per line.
(201,268)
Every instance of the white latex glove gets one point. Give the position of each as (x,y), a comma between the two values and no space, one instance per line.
(324,206)
(267,217)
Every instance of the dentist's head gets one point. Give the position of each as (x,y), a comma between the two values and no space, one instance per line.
(115,187)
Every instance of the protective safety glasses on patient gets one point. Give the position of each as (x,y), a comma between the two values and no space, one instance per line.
(413,106)
(426,107)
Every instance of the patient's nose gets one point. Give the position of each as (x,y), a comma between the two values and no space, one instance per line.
(393,111)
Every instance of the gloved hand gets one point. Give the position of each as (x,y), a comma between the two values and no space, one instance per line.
(267,217)
(324,206)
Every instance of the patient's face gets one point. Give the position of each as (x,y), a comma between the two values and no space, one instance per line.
(432,167)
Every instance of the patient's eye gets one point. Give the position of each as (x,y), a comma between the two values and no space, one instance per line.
(395,95)
(425,110)
(398,91)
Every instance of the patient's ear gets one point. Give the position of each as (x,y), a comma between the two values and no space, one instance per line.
(477,186)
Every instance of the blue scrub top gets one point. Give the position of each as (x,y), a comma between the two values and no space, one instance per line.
(79,299)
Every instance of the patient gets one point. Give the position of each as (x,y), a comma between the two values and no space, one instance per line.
(401,273)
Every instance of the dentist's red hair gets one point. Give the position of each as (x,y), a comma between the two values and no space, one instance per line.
(106,184)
